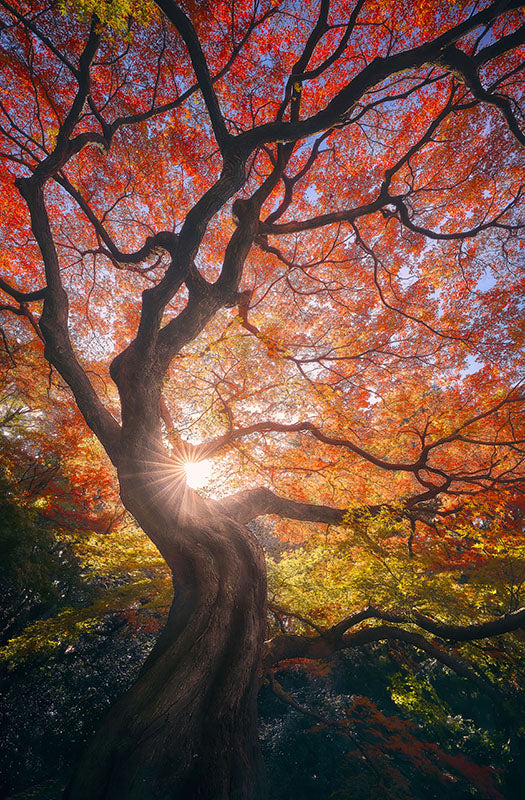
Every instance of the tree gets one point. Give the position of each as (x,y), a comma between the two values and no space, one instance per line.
(289,238)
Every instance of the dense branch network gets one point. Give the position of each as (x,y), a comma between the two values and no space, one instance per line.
(251,504)
(140,369)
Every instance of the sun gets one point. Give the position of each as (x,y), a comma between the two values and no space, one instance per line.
(197,473)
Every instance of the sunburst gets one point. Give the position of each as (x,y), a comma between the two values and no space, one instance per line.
(198,473)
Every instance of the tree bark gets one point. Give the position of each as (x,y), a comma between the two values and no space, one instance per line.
(188,727)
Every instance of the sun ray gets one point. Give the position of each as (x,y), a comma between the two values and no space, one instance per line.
(198,473)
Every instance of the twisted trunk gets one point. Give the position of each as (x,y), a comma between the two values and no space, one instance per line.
(187,727)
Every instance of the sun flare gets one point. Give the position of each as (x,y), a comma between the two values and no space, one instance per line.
(197,473)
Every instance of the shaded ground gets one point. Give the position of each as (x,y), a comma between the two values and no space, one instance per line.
(51,708)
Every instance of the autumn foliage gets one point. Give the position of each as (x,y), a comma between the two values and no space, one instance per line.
(286,241)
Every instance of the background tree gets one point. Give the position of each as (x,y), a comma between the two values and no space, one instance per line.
(343,338)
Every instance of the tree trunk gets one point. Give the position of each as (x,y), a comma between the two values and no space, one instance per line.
(188,727)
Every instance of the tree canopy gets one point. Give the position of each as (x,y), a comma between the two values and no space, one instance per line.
(273,251)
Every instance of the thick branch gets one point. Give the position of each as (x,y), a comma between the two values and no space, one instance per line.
(503,45)
(66,147)
(289,646)
(385,199)
(154,111)
(184,26)
(54,326)
(251,503)
(22,297)
(465,67)
(54,320)
(336,638)
(320,221)
(515,620)
(339,50)
(337,110)
(206,299)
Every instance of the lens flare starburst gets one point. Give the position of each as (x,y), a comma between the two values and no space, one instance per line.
(197,473)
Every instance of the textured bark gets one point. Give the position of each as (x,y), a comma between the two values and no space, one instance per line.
(188,727)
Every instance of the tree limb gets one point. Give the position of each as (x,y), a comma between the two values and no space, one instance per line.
(337,110)
(290,646)
(251,503)
(184,26)
(22,297)
(54,320)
